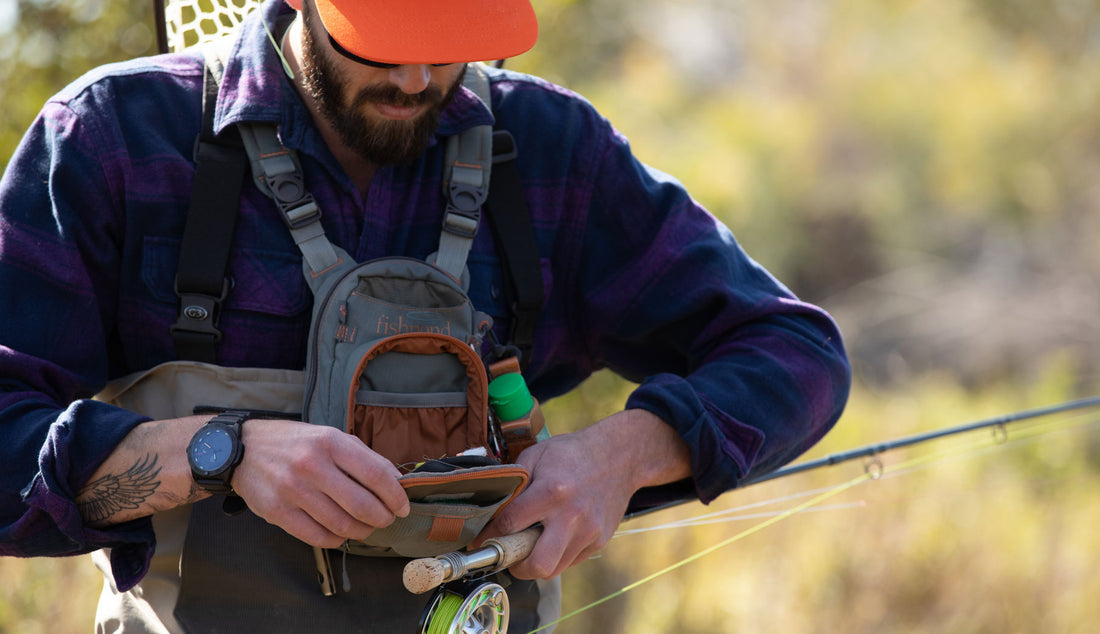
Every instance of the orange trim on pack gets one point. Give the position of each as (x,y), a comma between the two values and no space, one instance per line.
(477,392)
(502,471)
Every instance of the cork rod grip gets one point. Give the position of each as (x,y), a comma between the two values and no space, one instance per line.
(514,547)
(497,553)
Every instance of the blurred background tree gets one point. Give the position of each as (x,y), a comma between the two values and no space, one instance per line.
(45,44)
(924,170)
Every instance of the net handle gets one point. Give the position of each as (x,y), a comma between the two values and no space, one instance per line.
(162,26)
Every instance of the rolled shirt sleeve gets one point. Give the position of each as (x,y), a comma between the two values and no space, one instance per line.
(57,266)
(748,375)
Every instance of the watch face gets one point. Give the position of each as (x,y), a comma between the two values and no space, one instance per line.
(212,449)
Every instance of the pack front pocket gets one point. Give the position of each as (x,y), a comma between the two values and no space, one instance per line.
(409,426)
(446,511)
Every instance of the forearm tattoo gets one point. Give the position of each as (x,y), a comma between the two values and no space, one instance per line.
(111,494)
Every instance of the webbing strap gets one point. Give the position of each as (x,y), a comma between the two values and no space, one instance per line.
(467,166)
(510,221)
(201,282)
(279,175)
(220,173)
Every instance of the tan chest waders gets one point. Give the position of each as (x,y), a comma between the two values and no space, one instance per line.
(392,358)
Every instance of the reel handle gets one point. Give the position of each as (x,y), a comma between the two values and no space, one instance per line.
(498,553)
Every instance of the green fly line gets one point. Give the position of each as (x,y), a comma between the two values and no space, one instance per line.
(444,614)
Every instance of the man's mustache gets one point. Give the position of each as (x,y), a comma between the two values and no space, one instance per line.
(393,96)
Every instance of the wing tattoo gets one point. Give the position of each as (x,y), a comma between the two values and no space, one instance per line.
(102,498)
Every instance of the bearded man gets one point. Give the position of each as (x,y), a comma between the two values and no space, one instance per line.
(735,375)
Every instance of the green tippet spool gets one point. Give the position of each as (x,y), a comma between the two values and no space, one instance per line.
(517,413)
(509,396)
(457,610)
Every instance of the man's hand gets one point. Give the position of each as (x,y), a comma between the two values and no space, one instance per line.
(318,483)
(581,484)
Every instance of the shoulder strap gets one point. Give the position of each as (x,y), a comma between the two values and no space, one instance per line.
(510,221)
(221,164)
(467,166)
(201,283)
(279,175)
(471,179)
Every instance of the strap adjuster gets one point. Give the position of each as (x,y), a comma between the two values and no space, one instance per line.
(460,222)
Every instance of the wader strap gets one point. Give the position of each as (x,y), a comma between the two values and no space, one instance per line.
(467,165)
(201,282)
(510,221)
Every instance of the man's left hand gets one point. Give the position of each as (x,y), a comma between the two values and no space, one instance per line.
(581,484)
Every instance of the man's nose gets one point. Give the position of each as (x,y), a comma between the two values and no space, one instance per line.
(411,78)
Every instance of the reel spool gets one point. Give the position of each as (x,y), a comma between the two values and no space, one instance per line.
(466,608)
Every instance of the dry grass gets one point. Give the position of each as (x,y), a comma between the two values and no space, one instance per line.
(48,596)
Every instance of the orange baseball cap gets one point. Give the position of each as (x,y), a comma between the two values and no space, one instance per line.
(429,31)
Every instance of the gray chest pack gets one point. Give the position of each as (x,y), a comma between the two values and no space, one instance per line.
(393,352)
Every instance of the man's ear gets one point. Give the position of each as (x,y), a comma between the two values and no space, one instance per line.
(295,4)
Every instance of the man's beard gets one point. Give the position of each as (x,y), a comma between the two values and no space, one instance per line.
(382,142)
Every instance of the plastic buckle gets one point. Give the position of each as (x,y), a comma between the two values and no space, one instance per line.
(460,222)
(462,192)
(199,313)
(289,192)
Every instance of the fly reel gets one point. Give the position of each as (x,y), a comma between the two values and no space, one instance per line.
(466,608)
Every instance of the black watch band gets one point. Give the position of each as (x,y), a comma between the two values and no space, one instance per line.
(215,451)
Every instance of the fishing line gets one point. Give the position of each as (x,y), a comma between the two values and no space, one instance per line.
(445,612)
(873,469)
(467,607)
(751,505)
(700,521)
(837,490)
(1000,438)
(703,519)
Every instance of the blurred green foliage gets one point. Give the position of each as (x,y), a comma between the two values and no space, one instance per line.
(45,44)
(924,170)
(906,122)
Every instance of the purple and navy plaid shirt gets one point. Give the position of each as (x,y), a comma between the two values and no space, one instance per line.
(639,278)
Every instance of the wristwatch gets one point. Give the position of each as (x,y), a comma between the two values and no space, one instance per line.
(216,450)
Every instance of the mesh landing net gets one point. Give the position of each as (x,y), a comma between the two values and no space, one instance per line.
(191,22)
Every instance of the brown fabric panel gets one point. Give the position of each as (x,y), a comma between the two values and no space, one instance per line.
(413,434)
(446,529)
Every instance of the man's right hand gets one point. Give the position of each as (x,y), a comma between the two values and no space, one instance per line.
(317,483)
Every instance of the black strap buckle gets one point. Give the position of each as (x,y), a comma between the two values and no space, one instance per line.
(197,319)
(466,198)
(294,200)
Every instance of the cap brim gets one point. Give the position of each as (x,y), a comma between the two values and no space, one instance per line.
(431,31)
